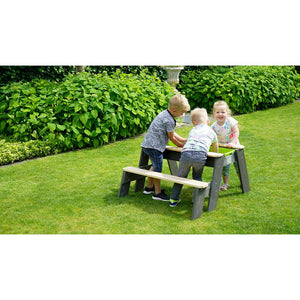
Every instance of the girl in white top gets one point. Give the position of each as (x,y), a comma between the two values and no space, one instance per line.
(227,131)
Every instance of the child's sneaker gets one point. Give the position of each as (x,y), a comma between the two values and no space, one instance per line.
(174,203)
(148,191)
(161,196)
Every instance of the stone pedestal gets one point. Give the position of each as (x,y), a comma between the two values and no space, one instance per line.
(173,74)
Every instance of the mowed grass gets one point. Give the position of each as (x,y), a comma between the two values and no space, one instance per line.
(77,192)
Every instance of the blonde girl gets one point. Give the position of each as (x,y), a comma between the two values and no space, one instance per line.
(227,131)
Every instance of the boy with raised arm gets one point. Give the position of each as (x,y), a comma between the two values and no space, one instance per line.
(160,131)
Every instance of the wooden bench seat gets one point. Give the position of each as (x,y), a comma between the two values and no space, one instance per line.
(201,189)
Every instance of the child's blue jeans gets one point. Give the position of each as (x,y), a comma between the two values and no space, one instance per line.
(188,159)
(156,158)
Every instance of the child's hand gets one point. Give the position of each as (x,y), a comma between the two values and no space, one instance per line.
(184,142)
(230,145)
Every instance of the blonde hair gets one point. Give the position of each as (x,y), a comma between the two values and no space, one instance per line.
(199,115)
(222,103)
(179,102)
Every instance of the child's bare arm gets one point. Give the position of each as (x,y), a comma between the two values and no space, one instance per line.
(236,133)
(176,139)
(179,138)
(215,147)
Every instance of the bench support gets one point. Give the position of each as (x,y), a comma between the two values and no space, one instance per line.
(125,182)
(198,201)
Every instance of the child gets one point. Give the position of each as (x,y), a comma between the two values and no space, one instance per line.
(194,152)
(227,131)
(157,137)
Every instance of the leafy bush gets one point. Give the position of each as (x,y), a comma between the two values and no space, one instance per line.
(83,110)
(244,88)
(19,151)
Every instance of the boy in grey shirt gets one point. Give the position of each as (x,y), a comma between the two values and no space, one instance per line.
(160,131)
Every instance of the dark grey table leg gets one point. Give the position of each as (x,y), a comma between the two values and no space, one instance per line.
(215,183)
(143,163)
(241,161)
(173,167)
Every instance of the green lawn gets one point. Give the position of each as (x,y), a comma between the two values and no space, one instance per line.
(77,192)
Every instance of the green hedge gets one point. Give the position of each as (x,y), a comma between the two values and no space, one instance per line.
(244,88)
(18,151)
(83,110)
(10,74)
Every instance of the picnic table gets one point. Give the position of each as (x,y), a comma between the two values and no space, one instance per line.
(214,160)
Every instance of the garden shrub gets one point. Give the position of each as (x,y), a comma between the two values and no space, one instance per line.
(244,88)
(83,110)
(11,152)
